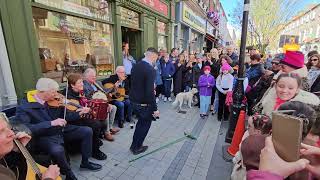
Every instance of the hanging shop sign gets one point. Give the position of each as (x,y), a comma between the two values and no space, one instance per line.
(189,17)
(210,29)
(129,18)
(157,5)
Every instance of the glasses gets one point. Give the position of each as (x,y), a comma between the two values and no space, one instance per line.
(314,59)
(276,63)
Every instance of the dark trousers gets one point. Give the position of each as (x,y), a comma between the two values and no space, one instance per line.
(213,95)
(167,87)
(223,109)
(145,118)
(56,150)
(159,90)
(124,110)
(96,126)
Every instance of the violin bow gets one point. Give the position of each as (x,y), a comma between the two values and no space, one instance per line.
(65,101)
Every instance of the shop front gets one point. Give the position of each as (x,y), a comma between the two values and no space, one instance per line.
(190,30)
(209,38)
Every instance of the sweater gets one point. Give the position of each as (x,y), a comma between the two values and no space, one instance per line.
(142,84)
(225,81)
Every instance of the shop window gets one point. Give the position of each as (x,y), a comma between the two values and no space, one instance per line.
(93,8)
(70,44)
(162,37)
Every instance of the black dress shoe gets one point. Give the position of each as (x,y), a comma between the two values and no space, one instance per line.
(91,166)
(139,150)
(99,155)
(121,125)
(71,176)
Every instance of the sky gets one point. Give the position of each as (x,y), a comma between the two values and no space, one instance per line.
(229,5)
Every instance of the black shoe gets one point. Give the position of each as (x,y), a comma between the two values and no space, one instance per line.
(219,119)
(139,150)
(198,104)
(121,125)
(99,155)
(71,176)
(90,166)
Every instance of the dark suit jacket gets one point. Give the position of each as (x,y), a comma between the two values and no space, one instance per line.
(38,117)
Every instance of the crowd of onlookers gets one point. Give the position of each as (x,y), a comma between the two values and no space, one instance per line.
(284,81)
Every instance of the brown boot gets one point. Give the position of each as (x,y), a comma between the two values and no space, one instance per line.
(108,137)
(114,130)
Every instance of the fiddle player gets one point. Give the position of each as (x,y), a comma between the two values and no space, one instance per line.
(89,87)
(50,131)
(119,80)
(75,89)
(13,165)
(142,98)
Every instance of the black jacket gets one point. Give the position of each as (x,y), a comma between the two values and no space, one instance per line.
(142,84)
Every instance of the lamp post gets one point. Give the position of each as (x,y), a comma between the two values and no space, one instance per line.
(239,91)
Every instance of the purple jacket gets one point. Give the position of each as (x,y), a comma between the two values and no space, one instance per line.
(262,175)
(205,84)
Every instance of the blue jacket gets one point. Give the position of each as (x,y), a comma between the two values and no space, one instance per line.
(38,117)
(167,69)
(254,73)
(158,80)
(205,84)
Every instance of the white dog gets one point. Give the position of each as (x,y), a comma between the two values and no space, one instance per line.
(184,96)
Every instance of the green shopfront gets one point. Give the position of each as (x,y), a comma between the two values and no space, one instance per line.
(50,38)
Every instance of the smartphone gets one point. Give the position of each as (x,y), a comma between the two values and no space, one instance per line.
(287,135)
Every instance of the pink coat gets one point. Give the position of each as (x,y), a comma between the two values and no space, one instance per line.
(262,175)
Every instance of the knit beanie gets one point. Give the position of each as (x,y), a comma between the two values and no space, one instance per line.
(225,67)
(207,68)
(294,59)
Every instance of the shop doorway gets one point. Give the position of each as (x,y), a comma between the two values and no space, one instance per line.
(133,37)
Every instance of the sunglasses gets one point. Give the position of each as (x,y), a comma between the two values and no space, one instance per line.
(314,59)
(276,63)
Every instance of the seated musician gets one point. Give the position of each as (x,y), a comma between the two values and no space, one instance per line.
(13,165)
(75,92)
(50,131)
(90,84)
(124,108)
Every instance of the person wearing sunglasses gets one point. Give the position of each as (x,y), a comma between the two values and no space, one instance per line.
(276,63)
(314,73)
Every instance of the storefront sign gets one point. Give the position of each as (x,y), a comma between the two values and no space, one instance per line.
(157,5)
(210,29)
(193,20)
(129,18)
(161,27)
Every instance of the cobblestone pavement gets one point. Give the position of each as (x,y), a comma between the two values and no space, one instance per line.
(185,160)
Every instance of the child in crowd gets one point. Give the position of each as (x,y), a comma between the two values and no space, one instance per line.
(224,85)
(205,84)
(167,69)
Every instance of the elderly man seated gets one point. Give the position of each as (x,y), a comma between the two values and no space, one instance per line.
(50,131)
(119,80)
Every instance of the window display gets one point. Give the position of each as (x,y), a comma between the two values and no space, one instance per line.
(71,44)
(162,38)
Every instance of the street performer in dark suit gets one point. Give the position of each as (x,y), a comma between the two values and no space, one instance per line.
(142,98)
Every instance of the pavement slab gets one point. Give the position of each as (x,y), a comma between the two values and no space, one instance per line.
(185,160)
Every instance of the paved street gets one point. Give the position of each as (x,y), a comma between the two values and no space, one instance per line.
(188,159)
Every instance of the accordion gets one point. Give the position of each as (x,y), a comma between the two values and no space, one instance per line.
(99,109)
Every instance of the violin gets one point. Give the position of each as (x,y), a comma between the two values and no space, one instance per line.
(61,101)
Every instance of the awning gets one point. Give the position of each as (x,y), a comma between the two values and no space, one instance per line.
(210,38)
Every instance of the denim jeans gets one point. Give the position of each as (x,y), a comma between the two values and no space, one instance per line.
(124,110)
(145,118)
(205,102)
(167,87)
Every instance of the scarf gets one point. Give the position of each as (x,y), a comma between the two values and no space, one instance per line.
(279,102)
(313,75)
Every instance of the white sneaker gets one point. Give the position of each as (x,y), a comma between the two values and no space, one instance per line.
(169,99)
(157,100)
(165,99)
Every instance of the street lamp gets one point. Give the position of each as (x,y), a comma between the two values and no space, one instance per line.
(239,91)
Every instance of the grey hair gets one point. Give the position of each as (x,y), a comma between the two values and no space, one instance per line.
(119,67)
(87,71)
